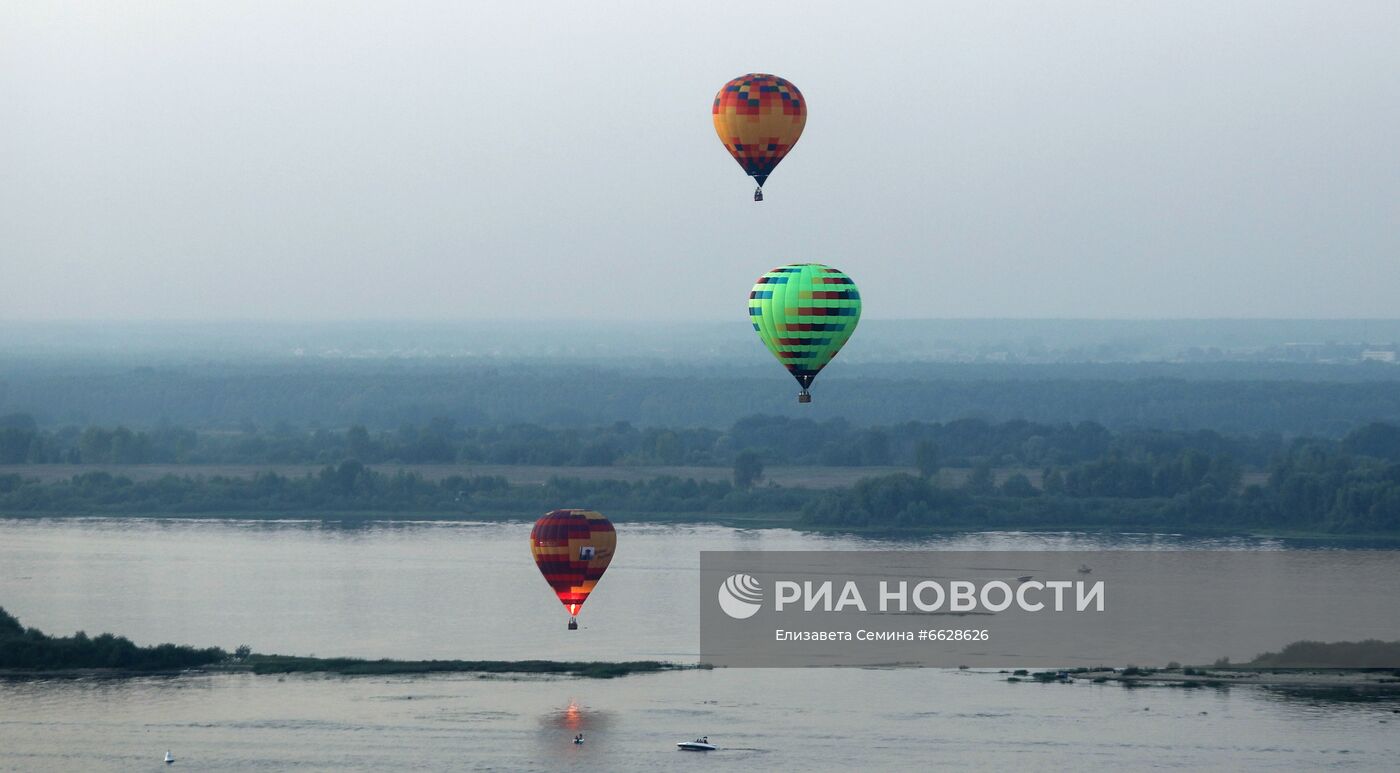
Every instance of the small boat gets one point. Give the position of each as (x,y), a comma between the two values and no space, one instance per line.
(1024,578)
(698,745)
(578,739)
(169,758)
(1084,569)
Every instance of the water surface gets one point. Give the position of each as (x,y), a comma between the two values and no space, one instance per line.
(470,591)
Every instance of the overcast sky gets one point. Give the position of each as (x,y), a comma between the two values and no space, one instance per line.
(287,160)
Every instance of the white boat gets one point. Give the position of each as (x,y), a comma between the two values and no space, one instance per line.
(169,758)
(698,745)
(578,739)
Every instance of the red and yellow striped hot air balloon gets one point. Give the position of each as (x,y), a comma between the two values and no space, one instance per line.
(759,117)
(573,548)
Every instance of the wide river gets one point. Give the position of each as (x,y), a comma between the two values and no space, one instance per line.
(469,590)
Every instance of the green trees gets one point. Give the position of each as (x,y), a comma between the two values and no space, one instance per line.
(9,625)
(1168,475)
(358,445)
(663,446)
(1375,439)
(836,442)
(748,468)
(1312,488)
(34,650)
(893,500)
(1312,485)
(1020,486)
(16,445)
(1233,398)
(602,454)
(981,481)
(875,448)
(352,488)
(117,446)
(926,459)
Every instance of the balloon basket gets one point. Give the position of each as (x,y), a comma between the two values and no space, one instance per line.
(573,624)
(758,194)
(804,397)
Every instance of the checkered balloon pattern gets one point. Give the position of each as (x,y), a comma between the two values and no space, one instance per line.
(804,313)
(572,549)
(759,117)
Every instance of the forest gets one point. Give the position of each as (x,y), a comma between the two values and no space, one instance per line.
(1206,446)
(1352,487)
(1309,489)
(31,649)
(777,439)
(385,394)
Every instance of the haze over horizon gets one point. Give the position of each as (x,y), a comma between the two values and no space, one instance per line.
(442,162)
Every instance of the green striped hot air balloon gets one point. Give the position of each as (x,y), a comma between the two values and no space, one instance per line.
(804,313)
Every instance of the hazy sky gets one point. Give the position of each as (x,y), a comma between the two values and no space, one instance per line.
(529,159)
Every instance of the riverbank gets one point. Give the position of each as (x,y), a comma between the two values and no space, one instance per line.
(284,664)
(892,506)
(763,520)
(1328,679)
(28,653)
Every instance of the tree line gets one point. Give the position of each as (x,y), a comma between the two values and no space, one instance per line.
(1313,486)
(351,488)
(31,649)
(384,394)
(776,439)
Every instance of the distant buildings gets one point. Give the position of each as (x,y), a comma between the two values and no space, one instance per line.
(1334,352)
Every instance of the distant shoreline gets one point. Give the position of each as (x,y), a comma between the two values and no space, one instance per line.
(28,653)
(794,476)
(1224,677)
(273,665)
(792,521)
(1380,680)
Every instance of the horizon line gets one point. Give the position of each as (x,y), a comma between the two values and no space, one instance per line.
(619,320)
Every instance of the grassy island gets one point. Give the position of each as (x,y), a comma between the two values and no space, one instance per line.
(31,652)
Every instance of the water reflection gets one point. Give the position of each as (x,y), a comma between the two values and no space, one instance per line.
(559,727)
(470,590)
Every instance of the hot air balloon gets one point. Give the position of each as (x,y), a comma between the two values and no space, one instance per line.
(759,117)
(573,548)
(804,313)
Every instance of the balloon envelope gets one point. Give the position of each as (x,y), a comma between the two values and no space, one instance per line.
(804,313)
(759,117)
(572,549)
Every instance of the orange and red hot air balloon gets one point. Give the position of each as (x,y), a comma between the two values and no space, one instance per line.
(573,548)
(759,117)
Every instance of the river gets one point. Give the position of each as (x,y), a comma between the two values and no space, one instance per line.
(469,590)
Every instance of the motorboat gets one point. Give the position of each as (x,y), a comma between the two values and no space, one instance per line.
(698,745)
(578,739)
(169,758)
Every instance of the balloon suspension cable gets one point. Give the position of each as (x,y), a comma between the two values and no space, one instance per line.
(573,623)
(758,193)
